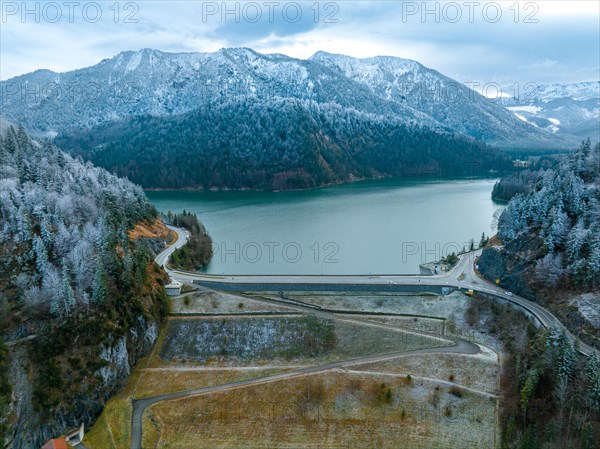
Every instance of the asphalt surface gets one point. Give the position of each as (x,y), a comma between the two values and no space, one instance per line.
(462,276)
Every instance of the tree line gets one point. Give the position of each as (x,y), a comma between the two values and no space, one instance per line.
(276,144)
(562,209)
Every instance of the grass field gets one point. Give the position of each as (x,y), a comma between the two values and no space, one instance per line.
(157,381)
(420,401)
(333,410)
(430,305)
(211,302)
(473,372)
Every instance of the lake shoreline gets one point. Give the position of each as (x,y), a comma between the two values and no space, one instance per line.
(402,178)
(376,226)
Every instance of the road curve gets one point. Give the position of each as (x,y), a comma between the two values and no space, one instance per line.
(461,276)
(140,405)
(181,239)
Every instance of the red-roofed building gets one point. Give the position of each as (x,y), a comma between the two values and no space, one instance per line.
(57,443)
(71,438)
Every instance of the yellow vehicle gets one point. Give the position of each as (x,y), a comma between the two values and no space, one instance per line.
(470,292)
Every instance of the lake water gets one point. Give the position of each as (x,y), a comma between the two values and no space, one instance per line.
(383,226)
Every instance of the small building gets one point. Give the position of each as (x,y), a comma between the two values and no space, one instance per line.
(72,438)
(173,288)
(75,436)
(56,443)
(518,163)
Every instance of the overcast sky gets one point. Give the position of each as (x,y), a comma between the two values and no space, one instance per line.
(504,42)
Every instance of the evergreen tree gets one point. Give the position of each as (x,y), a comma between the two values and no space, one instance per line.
(41,257)
(99,287)
(67,290)
(576,239)
(483,241)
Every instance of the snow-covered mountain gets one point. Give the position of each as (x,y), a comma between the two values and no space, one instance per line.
(447,101)
(158,83)
(564,109)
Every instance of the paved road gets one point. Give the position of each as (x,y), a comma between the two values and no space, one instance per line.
(182,236)
(462,276)
(140,405)
(544,316)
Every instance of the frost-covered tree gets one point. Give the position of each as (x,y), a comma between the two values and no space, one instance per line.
(52,291)
(562,208)
(575,241)
(511,222)
(58,222)
(41,256)
(574,192)
(67,291)
(549,270)
(556,228)
(594,259)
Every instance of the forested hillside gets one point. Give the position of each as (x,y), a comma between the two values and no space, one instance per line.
(549,246)
(521,181)
(550,393)
(80,300)
(152,82)
(276,144)
(199,250)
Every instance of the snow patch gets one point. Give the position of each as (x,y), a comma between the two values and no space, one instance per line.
(133,62)
(531,109)
(520,117)
(553,128)
(588,305)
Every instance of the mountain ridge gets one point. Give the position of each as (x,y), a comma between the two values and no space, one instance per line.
(151,81)
(572,109)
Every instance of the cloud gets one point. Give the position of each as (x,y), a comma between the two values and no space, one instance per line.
(561,45)
(545,63)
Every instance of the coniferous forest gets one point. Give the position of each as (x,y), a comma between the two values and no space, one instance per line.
(279,145)
(548,246)
(73,278)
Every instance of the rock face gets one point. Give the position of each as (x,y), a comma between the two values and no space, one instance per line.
(512,265)
(117,358)
(33,427)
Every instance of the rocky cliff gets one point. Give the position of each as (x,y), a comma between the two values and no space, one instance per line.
(81,299)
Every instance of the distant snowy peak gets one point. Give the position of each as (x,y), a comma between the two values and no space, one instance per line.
(578,91)
(559,108)
(385,75)
(158,83)
(449,102)
(532,93)
(369,68)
